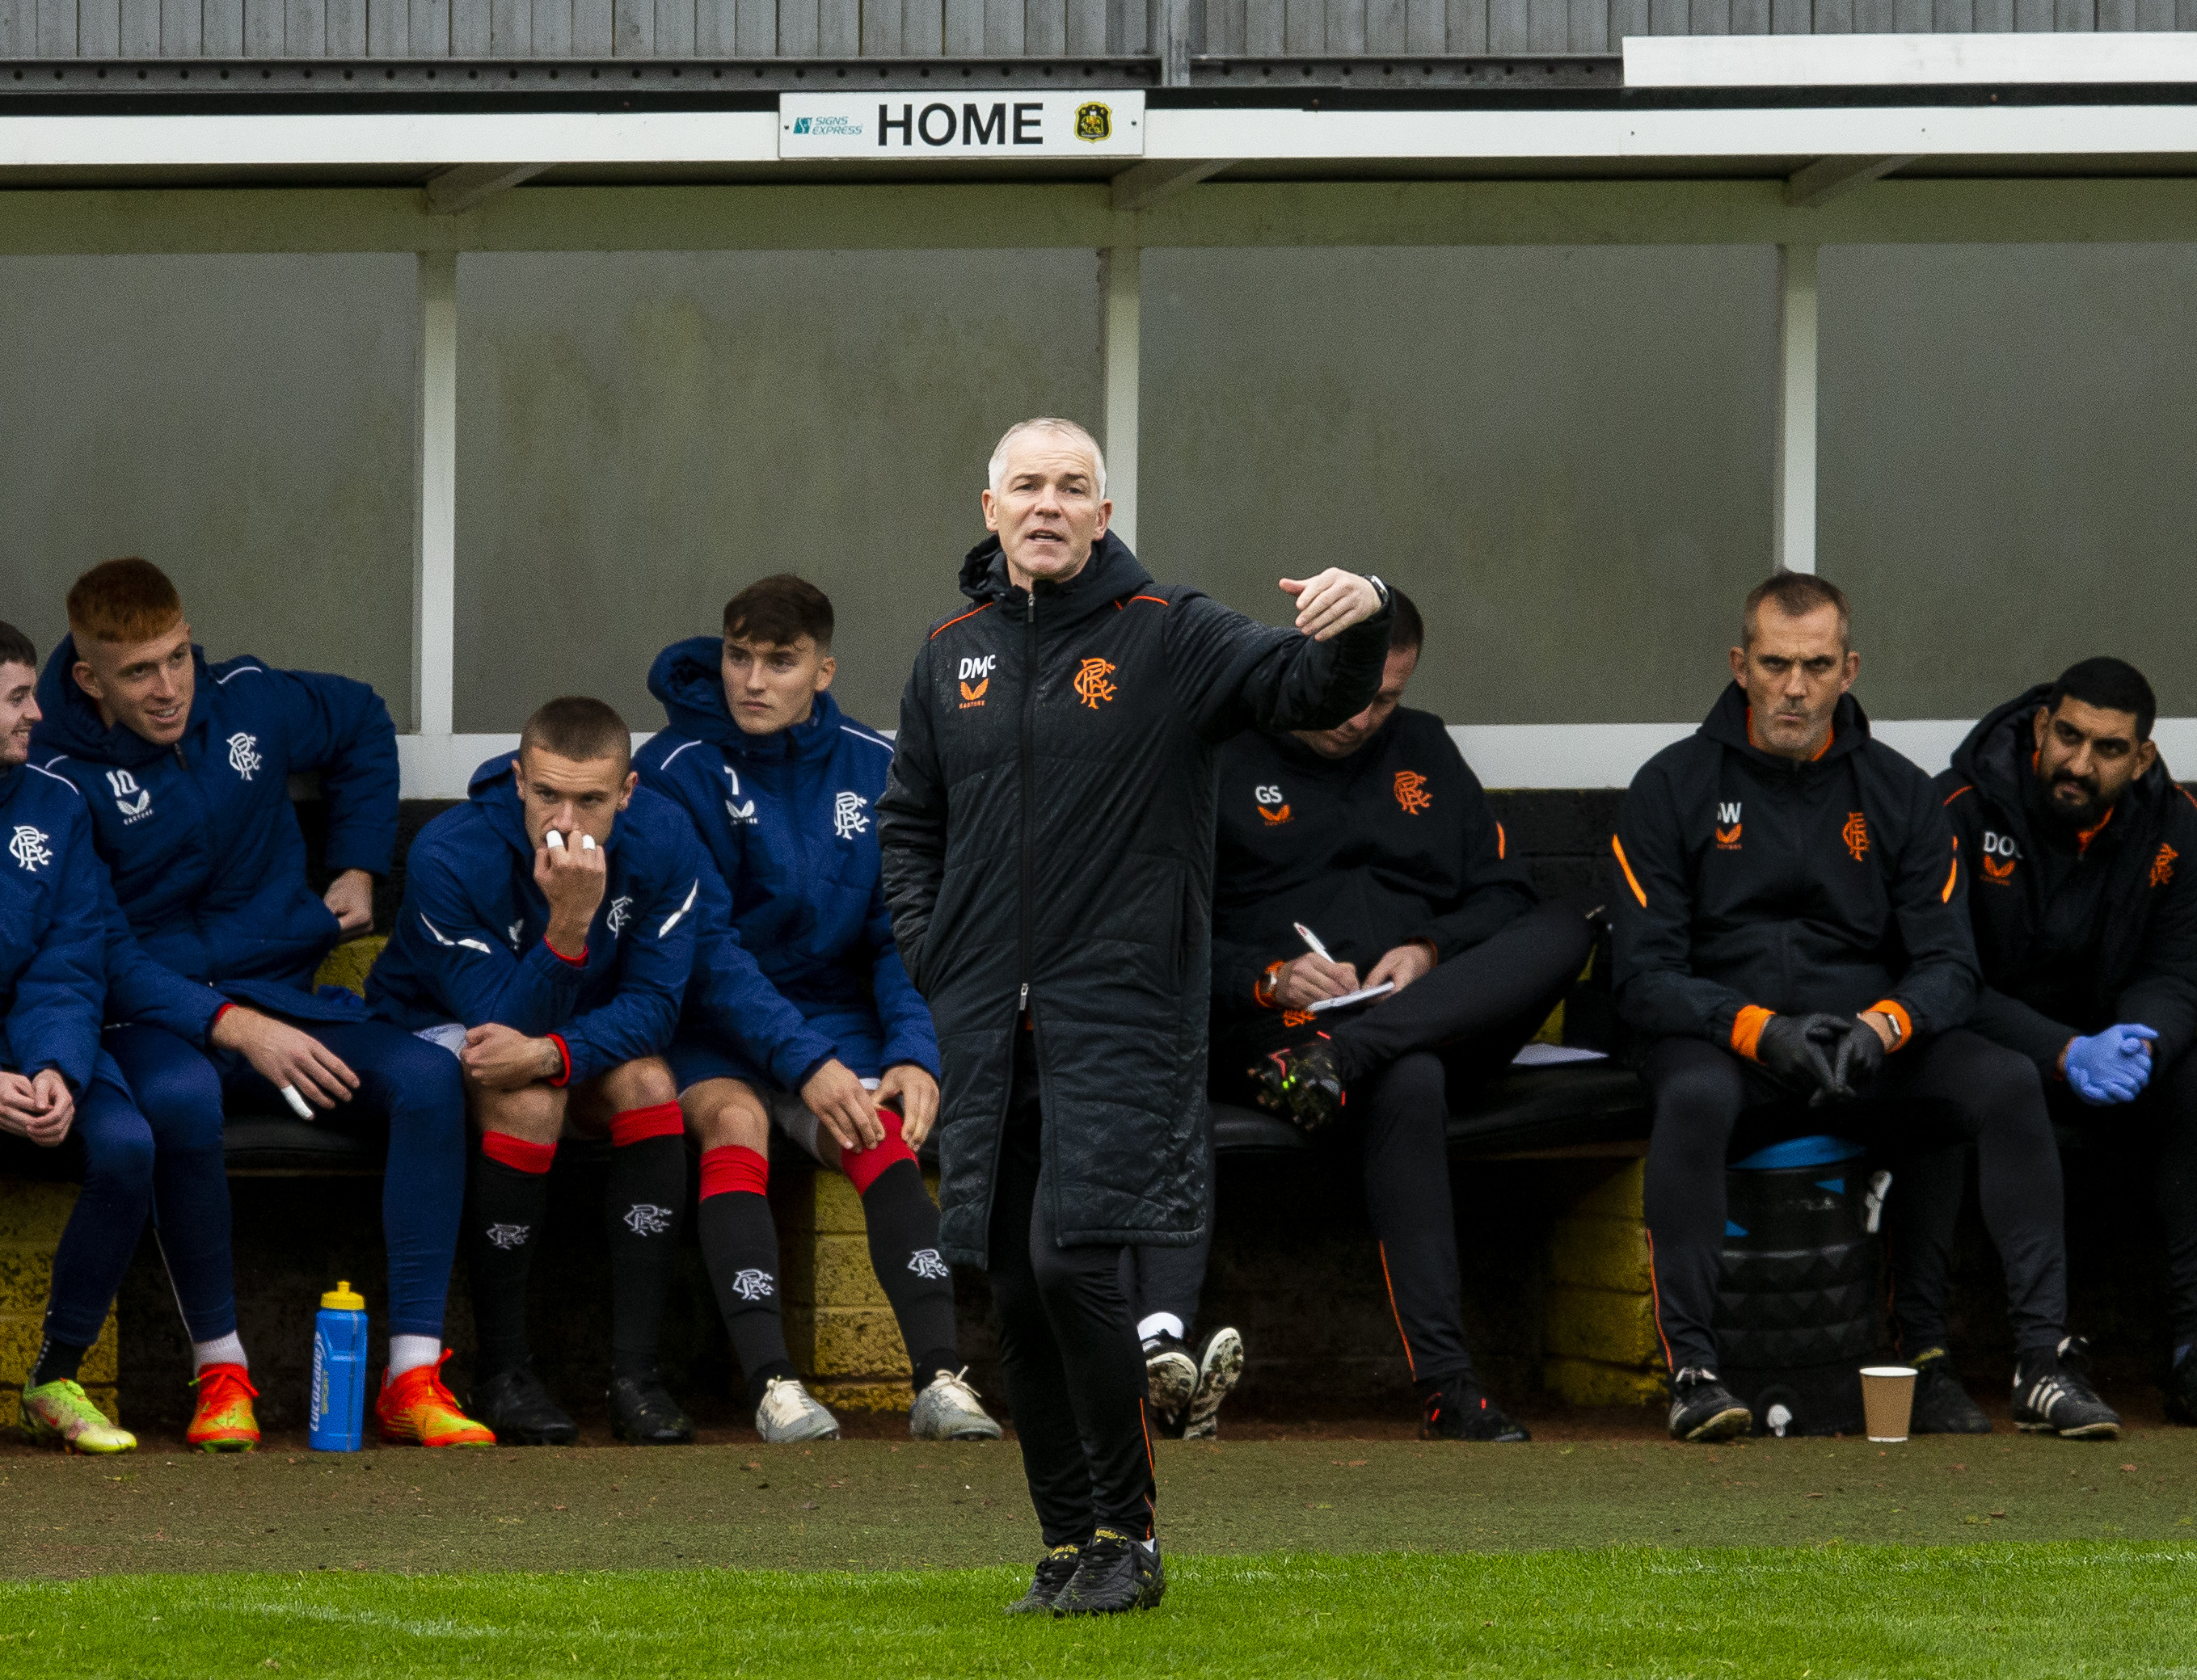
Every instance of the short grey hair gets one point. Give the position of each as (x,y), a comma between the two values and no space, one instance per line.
(1065,428)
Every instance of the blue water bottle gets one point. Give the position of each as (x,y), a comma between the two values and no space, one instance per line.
(338,1413)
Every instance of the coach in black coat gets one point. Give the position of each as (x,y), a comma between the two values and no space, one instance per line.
(1047,834)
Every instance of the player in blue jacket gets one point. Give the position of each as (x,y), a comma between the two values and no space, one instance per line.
(802,1014)
(185,767)
(65,954)
(547,935)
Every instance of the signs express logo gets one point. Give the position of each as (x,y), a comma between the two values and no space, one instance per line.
(29,848)
(243,755)
(132,801)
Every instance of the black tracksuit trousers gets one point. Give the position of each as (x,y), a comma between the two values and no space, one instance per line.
(2157,1134)
(1930,1104)
(1411,1059)
(1075,1376)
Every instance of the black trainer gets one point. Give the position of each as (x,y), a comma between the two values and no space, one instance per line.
(1303,1085)
(1457,1411)
(1055,1570)
(642,1411)
(514,1404)
(2053,1396)
(1170,1374)
(1113,1573)
(2182,1390)
(1703,1410)
(1942,1405)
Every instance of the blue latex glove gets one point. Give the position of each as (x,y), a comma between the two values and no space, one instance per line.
(2111,1067)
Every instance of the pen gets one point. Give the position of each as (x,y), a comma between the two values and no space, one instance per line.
(1311,941)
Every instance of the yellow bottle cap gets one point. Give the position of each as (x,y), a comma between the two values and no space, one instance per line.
(343,1299)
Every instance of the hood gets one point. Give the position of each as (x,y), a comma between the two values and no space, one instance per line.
(1726,725)
(495,789)
(689,680)
(1110,573)
(1993,756)
(71,725)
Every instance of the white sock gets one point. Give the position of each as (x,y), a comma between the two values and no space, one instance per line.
(406,1353)
(1159,1324)
(228,1350)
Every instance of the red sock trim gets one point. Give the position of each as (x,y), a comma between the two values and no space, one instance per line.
(517,1153)
(730,1169)
(638,1126)
(863,1170)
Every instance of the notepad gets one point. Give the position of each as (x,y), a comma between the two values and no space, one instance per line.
(1365,994)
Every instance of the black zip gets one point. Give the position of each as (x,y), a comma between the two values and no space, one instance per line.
(1027,753)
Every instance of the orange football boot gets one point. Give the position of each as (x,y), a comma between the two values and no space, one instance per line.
(417,1407)
(222,1420)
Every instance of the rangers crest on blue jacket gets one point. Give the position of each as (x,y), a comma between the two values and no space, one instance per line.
(67,958)
(201,838)
(469,943)
(789,821)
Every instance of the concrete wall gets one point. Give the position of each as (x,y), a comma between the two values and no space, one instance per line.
(1564,452)
(246,422)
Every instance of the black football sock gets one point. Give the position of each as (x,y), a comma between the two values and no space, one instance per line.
(510,1202)
(641,1215)
(739,1247)
(58,1362)
(903,1232)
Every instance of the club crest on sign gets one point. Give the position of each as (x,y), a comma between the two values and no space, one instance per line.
(1094,122)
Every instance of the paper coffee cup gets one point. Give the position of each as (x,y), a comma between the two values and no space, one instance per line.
(1887,1400)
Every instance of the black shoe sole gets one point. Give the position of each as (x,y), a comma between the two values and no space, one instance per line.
(669,1438)
(1980,1426)
(2081,1432)
(1731,1422)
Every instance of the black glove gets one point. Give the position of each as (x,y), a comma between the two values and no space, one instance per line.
(1798,1049)
(1860,1055)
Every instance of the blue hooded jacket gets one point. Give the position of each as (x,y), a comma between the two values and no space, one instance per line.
(65,952)
(469,944)
(201,838)
(788,819)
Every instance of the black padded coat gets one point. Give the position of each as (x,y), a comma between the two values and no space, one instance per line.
(1047,834)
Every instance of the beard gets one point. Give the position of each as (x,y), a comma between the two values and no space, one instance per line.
(2074,797)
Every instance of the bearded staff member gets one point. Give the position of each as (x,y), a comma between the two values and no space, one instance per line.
(1048,834)
(2082,893)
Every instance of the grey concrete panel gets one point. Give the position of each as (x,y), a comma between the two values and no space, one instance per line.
(246,422)
(1564,454)
(2005,460)
(641,436)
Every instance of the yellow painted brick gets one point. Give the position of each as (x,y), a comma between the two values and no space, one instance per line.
(1589,1383)
(26,1273)
(347,963)
(857,1341)
(1599,1253)
(1603,1324)
(32,1213)
(1616,1196)
(844,1274)
(20,1333)
(857,1394)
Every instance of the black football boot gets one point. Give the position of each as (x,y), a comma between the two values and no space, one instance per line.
(1115,1573)
(514,1404)
(1303,1085)
(1055,1570)
(1455,1409)
(1942,1405)
(643,1412)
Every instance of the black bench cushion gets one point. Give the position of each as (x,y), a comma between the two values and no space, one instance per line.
(1528,1109)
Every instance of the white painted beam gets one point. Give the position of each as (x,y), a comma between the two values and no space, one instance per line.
(1120,271)
(2064,59)
(1144,185)
(457,189)
(1829,179)
(1793,500)
(435,539)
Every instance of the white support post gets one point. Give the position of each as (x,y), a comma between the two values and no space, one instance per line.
(1119,288)
(1794,503)
(435,540)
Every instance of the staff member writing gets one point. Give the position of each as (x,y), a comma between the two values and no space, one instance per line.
(1048,858)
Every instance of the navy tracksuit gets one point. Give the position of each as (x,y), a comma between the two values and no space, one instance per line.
(787,819)
(209,866)
(65,954)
